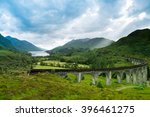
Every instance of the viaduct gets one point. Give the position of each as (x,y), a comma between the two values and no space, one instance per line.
(136,74)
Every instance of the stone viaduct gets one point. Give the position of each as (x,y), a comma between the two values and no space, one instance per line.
(136,74)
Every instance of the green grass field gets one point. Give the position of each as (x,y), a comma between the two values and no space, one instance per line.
(52,64)
(46,67)
(53,87)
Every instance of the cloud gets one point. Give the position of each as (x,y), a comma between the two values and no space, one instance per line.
(85,23)
(143,16)
(50,23)
(126,7)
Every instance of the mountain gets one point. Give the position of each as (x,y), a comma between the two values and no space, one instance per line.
(5,43)
(137,42)
(136,37)
(84,44)
(22,45)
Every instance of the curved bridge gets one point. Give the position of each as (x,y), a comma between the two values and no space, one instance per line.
(136,74)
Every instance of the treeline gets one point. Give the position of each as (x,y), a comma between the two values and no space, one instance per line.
(94,58)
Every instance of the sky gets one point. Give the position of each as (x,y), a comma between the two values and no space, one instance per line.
(51,23)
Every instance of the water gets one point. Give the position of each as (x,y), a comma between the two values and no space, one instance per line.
(39,53)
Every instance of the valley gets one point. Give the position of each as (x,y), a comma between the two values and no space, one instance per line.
(16,81)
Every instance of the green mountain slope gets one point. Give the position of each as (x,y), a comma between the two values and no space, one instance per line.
(22,45)
(136,43)
(5,43)
(83,44)
(14,61)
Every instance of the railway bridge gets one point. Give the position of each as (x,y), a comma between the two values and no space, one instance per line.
(136,74)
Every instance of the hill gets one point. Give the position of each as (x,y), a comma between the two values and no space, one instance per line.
(5,43)
(136,43)
(22,45)
(83,44)
(13,61)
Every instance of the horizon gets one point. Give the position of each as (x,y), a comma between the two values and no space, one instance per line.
(48,24)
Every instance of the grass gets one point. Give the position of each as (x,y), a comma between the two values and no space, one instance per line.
(83,66)
(53,87)
(5,52)
(124,63)
(53,64)
(46,67)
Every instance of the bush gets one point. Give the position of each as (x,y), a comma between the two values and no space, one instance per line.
(99,85)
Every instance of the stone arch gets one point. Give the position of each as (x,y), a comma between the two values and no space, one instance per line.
(119,75)
(96,74)
(96,78)
(77,76)
(62,74)
(92,78)
(113,77)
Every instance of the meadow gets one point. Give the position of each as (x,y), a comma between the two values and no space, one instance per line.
(54,87)
(55,64)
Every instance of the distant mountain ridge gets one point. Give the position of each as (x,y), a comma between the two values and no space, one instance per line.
(86,43)
(5,43)
(22,45)
(16,44)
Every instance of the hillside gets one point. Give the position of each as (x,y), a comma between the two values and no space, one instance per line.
(136,43)
(11,61)
(22,45)
(83,44)
(5,43)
